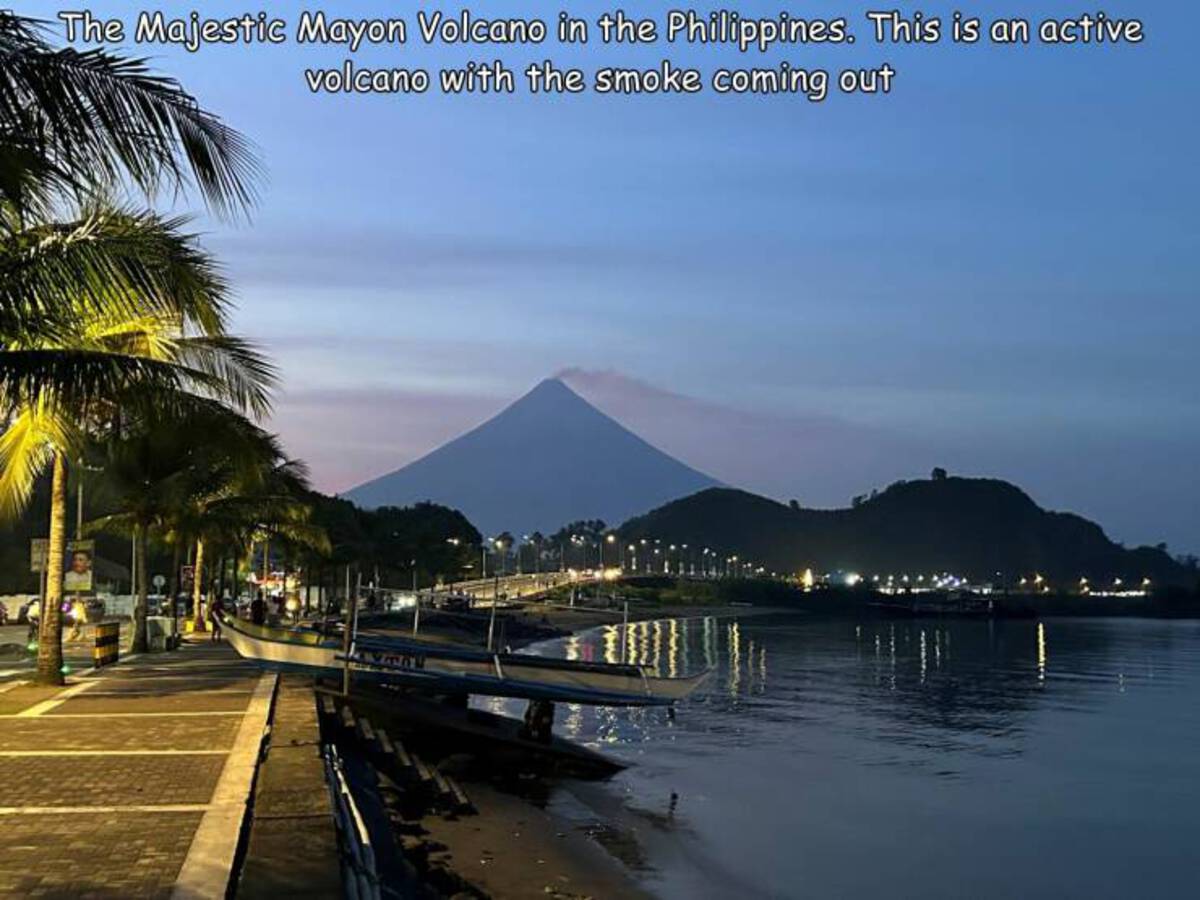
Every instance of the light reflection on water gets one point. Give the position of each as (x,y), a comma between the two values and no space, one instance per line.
(1021,758)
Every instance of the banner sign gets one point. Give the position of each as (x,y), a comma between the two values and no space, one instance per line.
(78,576)
(78,579)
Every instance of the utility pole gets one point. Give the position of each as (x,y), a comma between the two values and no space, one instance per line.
(416,601)
(492,617)
(347,629)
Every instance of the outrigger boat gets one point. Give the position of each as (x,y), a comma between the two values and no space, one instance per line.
(451,670)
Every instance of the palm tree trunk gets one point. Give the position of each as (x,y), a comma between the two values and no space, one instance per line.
(198,623)
(50,655)
(141,600)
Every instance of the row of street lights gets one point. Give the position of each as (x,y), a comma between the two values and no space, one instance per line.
(644,556)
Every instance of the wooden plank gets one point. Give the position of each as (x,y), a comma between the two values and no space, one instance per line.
(403,755)
(385,742)
(462,801)
(365,731)
(422,769)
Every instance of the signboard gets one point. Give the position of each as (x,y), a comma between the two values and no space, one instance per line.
(187,577)
(38,548)
(78,574)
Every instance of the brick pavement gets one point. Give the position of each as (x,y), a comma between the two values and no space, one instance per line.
(104,793)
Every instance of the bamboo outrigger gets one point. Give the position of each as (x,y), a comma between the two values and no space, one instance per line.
(457,670)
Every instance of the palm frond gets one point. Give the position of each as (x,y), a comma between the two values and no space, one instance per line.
(80,379)
(246,377)
(106,116)
(112,262)
(33,436)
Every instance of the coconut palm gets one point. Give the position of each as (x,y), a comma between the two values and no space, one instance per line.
(174,344)
(244,490)
(208,477)
(74,126)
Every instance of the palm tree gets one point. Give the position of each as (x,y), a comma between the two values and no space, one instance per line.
(157,352)
(74,126)
(210,478)
(243,493)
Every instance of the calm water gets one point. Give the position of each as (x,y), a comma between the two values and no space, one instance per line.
(915,759)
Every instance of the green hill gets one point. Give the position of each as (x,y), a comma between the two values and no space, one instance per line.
(969,526)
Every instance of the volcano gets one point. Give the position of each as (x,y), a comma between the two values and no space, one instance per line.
(548,459)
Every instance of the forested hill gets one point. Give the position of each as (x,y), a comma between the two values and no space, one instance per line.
(969,526)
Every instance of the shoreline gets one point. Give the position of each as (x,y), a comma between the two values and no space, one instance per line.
(516,846)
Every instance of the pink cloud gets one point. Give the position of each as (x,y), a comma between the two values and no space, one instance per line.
(818,459)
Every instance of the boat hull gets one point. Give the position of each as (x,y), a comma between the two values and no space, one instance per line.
(449,670)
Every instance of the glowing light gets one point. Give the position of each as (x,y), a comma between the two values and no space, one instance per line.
(852,579)
(808,580)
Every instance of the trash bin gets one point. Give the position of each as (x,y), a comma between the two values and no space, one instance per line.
(160,633)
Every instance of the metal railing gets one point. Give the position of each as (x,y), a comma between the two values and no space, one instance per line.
(359,876)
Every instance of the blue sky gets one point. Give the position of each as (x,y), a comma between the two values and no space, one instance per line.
(994,269)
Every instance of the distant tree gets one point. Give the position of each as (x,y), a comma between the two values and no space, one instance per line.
(794,504)
(858,500)
(939,474)
(1161,547)
(590,529)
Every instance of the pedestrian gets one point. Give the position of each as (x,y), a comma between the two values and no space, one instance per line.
(258,609)
(215,612)
(33,615)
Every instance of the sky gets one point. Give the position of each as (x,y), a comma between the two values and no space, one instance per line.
(993,269)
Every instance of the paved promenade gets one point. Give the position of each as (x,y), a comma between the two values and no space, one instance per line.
(130,782)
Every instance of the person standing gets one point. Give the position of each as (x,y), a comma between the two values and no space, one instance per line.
(258,609)
(33,615)
(215,613)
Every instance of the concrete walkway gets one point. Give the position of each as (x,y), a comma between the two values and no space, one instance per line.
(130,782)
